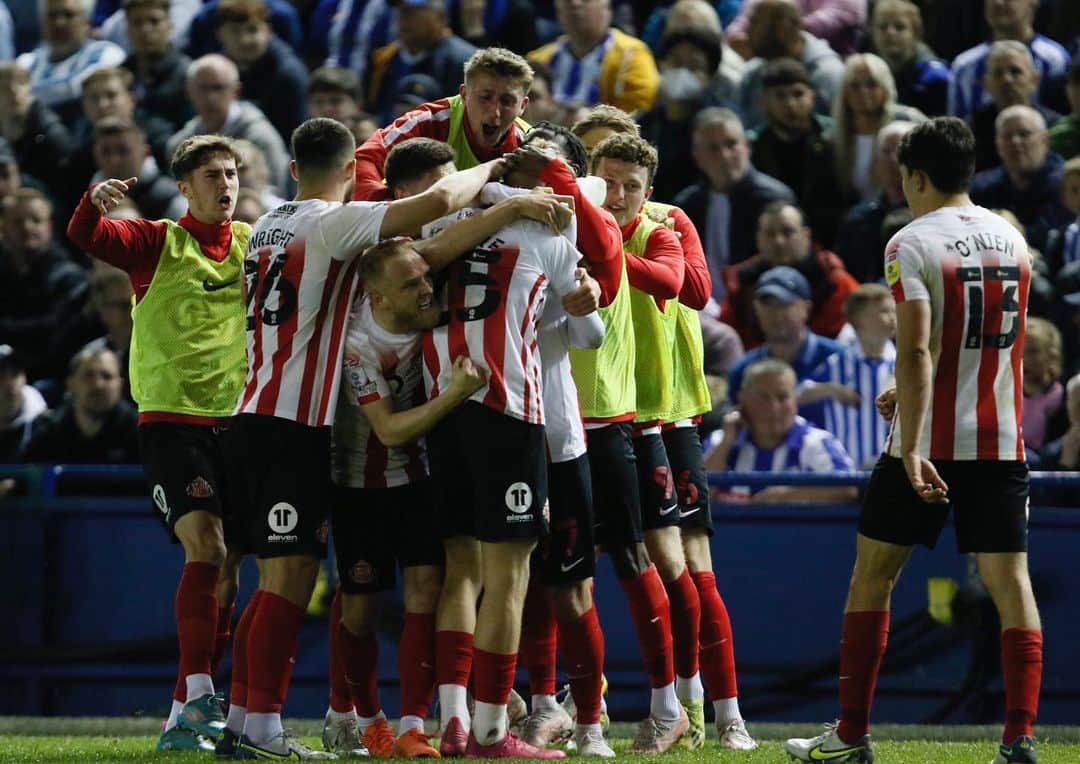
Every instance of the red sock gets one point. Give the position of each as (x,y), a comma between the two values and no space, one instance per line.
(538,640)
(340,699)
(360,657)
(583,649)
(1021,666)
(179,692)
(685,623)
(271,648)
(238,690)
(494,676)
(862,647)
(453,657)
(717,646)
(221,639)
(651,612)
(416,663)
(196,617)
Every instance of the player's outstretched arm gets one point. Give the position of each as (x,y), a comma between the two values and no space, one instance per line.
(397,428)
(463,236)
(447,195)
(124,244)
(914,370)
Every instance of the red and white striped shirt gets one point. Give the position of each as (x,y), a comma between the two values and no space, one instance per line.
(378,365)
(975,270)
(300,269)
(494,297)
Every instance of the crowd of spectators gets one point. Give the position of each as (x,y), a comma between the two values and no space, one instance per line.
(777,123)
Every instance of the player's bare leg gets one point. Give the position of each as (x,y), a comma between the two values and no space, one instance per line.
(1007,580)
(195,705)
(862,645)
(227,585)
(416,659)
(716,643)
(455,621)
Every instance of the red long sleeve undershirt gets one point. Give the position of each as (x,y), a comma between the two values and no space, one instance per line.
(660,272)
(598,236)
(134,246)
(697,283)
(428,120)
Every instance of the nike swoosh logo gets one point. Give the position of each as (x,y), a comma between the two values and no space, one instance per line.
(687,514)
(211,287)
(816,754)
(566,568)
(668,511)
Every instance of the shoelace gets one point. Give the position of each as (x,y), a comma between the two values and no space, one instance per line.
(647,732)
(737,728)
(347,735)
(381,735)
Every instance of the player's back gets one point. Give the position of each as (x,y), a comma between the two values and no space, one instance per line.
(301,278)
(493,299)
(975,270)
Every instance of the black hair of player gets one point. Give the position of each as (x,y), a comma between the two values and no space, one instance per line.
(944,149)
(413,159)
(570,146)
(322,147)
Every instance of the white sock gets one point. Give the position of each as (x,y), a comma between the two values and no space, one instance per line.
(235,720)
(664,703)
(582,729)
(689,689)
(452,703)
(367,721)
(340,716)
(174,714)
(198,685)
(727,710)
(262,728)
(490,723)
(410,723)
(547,702)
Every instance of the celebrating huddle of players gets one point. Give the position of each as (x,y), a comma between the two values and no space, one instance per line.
(483,370)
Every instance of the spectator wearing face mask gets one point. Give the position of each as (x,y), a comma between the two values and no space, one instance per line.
(689,59)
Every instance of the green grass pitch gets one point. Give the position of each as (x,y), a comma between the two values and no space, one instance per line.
(52,741)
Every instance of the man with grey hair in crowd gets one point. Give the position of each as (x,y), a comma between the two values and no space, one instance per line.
(1028,182)
(213,85)
(1011,79)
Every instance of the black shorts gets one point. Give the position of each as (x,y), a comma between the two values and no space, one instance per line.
(568,554)
(185,472)
(989,499)
(616,499)
(281,471)
(490,475)
(683,446)
(659,507)
(378,528)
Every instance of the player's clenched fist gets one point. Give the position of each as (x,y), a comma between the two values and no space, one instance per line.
(886,404)
(466,377)
(108,194)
